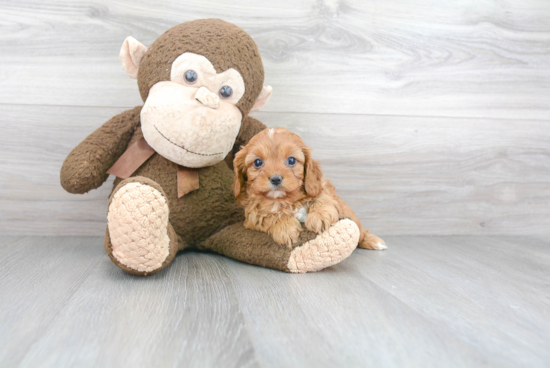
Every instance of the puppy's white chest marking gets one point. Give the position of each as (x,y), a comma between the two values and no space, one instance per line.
(301,214)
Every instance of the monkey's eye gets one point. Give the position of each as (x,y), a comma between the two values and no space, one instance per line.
(226,91)
(258,163)
(191,76)
(291,161)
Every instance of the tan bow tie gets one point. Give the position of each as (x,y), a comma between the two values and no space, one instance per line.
(138,153)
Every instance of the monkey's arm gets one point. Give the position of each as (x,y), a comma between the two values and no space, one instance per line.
(249,128)
(311,252)
(86,166)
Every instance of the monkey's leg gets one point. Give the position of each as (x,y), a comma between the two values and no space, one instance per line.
(139,238)
(311,253)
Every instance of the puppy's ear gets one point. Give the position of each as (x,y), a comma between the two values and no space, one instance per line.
(313,182)
(240,169)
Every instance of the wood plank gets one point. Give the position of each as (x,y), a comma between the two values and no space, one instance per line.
(420,175)
(491,292)
(34,145)
(422,58)
(402,175)
(186,315)
(347,317)
(481,302)
(38,277)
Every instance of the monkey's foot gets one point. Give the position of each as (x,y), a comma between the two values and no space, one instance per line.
(327,249)
(139,238)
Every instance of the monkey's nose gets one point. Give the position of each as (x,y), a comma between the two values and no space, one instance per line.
(276,180)
(207,98)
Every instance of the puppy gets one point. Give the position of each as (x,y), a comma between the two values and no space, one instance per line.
(280,186)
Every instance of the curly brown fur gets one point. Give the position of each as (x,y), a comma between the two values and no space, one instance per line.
(275,176)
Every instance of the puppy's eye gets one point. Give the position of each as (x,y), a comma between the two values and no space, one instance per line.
(226,91)
(258,163)
(291,161)
(191,76)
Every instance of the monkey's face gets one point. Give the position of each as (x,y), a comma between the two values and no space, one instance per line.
(193,119)
(198,80)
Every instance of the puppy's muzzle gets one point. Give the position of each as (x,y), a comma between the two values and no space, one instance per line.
(276,180)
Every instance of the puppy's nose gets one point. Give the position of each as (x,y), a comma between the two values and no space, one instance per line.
(207,98)
(276,180)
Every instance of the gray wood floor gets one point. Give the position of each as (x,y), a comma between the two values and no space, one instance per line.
(463,301)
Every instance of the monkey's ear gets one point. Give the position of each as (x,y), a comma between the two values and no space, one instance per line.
(262,98)
(131,54)
(239,169)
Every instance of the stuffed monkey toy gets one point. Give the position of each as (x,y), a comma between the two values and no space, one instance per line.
(173,157)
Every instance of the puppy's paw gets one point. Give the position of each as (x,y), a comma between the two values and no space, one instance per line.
(286,239)
(371,241)
(321,218)
(286,231)
(314,222)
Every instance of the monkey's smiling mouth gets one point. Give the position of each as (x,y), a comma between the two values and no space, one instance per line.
(185,149)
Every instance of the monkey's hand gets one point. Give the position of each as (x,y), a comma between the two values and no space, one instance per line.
(86,166)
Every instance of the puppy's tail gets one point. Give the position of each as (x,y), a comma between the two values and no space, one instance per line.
(366,239)
(370,241)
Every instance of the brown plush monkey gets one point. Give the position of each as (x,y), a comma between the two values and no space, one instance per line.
(199,80)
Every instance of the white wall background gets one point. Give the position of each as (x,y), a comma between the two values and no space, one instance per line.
(430,116)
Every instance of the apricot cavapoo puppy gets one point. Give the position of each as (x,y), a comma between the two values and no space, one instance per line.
(281,186)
